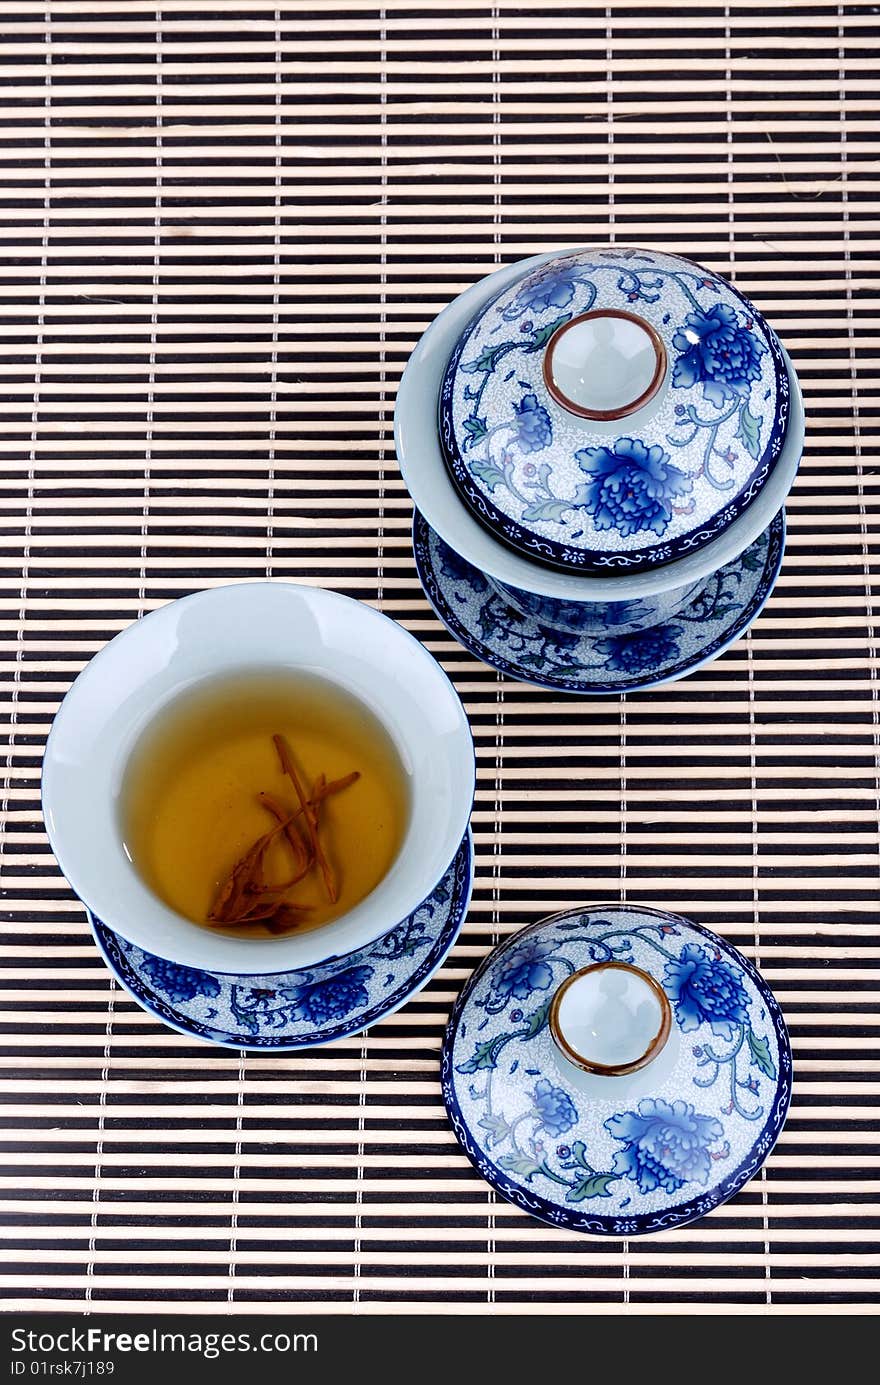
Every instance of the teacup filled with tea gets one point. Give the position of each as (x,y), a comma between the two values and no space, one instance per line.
(263,803)
(258,778)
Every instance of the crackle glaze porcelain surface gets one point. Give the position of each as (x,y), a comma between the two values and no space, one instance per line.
(627,494)
(594,617)
(617,1156)
(299,1009)
(620,659)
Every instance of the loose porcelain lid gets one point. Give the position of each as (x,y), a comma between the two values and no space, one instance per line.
(613,410)
(617,1070)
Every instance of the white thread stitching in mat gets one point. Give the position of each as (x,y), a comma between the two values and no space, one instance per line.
(111,1001)
(32,458)
(750,666)
(498,807)
(276,276)
(99,1147)
(236,1175)
(383,303)
(857,425)
(154,325)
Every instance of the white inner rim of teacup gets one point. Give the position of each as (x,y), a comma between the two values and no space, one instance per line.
(610,1018)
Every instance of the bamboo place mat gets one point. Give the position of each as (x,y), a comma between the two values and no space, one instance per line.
(224,228)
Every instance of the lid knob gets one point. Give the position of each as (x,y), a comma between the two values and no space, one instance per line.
(604,364)
(610,1019)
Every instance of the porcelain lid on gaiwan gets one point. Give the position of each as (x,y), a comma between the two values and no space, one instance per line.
(613,410)
(616,1070)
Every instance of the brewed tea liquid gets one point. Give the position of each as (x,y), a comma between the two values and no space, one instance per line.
(190,806)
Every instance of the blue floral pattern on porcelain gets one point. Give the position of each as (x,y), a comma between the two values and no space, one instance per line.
(631,486)
(719,354)
(706,992)
(598,497)
(664,1146)
(291,1010)
(622,658)
(617,1156)
(177,982)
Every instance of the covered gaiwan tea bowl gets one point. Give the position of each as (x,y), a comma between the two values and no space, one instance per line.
(596,434)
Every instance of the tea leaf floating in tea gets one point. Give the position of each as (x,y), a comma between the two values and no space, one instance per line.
(246,897)
(205,783)
(298,846)
(311,815)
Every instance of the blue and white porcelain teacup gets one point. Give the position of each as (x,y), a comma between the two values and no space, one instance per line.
(230,630)
(660,522)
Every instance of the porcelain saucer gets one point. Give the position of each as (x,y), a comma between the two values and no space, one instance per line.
(299,1009)
(722,609)
(617,1155)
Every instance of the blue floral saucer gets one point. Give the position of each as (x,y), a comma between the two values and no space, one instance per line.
(299,1009)
(674,1136)
(477,614)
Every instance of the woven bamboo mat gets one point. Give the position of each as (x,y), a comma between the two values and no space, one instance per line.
(224,227)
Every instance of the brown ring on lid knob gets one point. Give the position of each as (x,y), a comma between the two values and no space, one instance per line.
(611,1069)
(605,415)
